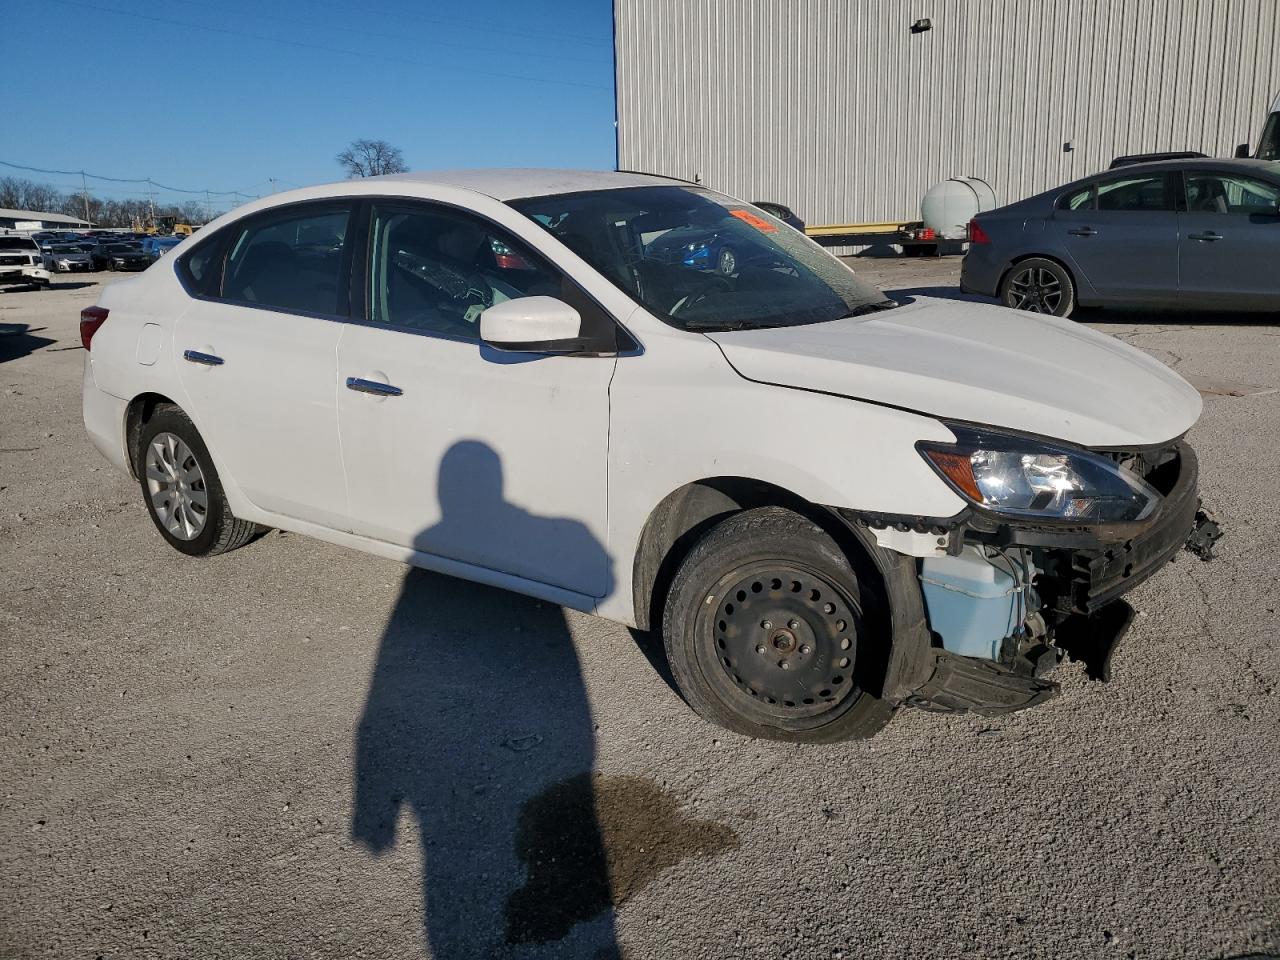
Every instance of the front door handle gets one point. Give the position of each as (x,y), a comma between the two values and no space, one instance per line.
(373,386)
(1083,232)
(208,359)
(1207,237)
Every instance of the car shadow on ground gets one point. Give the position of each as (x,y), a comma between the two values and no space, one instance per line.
(477,723)
(19,339)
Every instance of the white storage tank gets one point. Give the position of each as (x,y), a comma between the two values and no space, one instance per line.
(949,206)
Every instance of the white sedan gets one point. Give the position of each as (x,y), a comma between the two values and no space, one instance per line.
(549,381)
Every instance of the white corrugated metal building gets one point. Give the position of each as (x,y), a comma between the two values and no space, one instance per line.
(840,109)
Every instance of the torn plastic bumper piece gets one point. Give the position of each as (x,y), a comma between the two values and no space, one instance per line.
(961,684)
(1092,639)
(1205,532)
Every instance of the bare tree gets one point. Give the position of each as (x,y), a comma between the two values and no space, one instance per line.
(371,158)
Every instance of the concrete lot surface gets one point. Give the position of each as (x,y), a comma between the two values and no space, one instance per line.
(294,750)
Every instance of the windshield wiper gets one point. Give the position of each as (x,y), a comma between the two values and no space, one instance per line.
(872,308)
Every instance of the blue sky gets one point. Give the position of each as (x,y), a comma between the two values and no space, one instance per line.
(223,94)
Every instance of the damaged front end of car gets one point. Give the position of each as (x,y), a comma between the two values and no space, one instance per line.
(1033,570)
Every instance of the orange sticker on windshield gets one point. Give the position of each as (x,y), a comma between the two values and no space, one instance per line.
(747,217)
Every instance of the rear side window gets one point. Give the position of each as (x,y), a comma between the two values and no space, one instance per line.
(1136,194)
(1081,199)
(201,269)
(291,260)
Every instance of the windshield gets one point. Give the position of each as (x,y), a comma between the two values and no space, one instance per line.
(701,261)
(122,248)
(17,243)
(64,248)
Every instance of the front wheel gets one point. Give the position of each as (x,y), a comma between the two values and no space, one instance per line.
(727,263)
(182,490)
(770,632)
(1038,285)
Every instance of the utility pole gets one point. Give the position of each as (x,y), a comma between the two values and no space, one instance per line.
(207,215)
(272,181)
(151,203)
(84,182)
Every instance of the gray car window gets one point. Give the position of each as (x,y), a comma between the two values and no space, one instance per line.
(1269,145)
(1227,193)
(1081,199)
(1135,193)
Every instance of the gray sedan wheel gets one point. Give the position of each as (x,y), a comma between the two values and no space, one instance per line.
(1038,285)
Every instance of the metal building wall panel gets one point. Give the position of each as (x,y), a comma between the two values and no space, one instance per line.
(836,108)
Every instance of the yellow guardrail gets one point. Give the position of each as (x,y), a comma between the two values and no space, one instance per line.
(852,229)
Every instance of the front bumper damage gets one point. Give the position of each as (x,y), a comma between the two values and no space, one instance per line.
(1010,599)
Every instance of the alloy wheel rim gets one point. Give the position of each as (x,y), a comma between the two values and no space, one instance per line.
(728,262)
(780,640)
(176,485)
(1035,290)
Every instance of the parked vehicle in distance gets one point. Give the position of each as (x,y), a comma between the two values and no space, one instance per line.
(1130,159)
(782,212)
(114,255)
(833,505)
(66,258)
(156,247)
(1196,233)
(21,261)
(1269,140)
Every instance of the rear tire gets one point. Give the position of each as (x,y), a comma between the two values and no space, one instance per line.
(181,489)
(1038,285)
(771,633)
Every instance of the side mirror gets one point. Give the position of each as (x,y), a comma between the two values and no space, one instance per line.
(532,325)
(1242,151)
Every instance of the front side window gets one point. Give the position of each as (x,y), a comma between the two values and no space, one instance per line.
(289,259)
(1135,193)
(435,269)
(1227,193)
(699,260)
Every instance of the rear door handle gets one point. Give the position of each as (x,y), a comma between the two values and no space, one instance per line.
(1210,236)
(373,386)
(1083,232)
(208,359)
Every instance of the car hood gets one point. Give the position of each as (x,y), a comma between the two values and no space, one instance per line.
(979,363)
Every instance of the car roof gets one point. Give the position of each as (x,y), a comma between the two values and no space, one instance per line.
(1239,165)
(515,182)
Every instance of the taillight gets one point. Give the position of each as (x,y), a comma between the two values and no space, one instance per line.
(977,234)
(91,318)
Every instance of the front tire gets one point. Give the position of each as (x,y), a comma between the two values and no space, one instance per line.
(1038,285)
(771,633)
(727,263)
(181,489)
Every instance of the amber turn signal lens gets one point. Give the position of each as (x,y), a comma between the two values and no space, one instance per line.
(957,468)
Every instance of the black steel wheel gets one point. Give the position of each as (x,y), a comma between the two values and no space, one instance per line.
(1038,285)
(770,632)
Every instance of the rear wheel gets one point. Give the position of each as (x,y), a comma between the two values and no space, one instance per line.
(771,633)
(1038,285)
(182,490)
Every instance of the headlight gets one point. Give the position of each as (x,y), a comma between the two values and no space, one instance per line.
(1036,478)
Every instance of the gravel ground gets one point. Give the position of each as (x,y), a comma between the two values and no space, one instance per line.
(296,750)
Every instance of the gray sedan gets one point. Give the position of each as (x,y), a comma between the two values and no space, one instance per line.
(1198,232)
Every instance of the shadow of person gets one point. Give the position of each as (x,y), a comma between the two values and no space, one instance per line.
(18,340)
(477,715)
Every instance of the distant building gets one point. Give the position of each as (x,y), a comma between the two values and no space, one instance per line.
(848,110)
(35,220)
